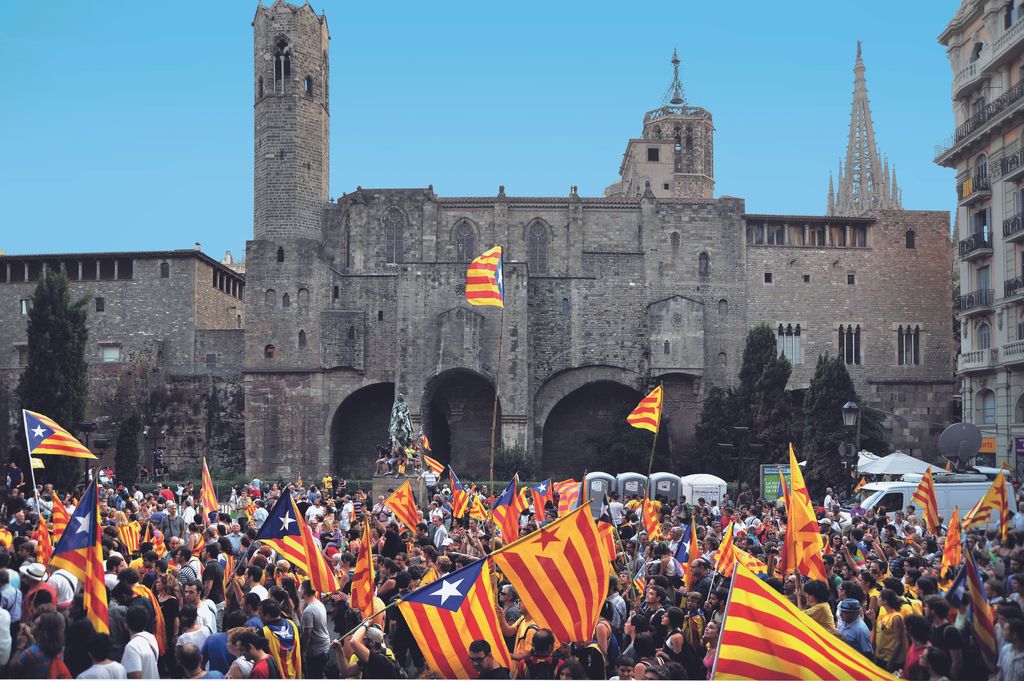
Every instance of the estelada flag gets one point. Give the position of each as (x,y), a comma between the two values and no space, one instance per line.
(42,536)
(764,636)
(924,496)
(281,530)
(607,532)
(44,436)
(568,493)
(561,573)
(994,500)
(208,496)
(321,576)
(504,512)
(363,589)
(485,281)
(460,496)
(80,552)
(647,414)
(446,616)
(651,519)
(403,504)
(803,536)
(542,494)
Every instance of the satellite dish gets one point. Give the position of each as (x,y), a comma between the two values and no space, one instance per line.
(960,441)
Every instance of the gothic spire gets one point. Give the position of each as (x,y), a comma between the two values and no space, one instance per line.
(674,95)
(865,185)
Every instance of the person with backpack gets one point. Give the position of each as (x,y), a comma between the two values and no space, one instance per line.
(363,653)
(541,663)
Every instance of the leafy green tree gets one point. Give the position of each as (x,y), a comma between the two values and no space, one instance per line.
(773,410)
(829,390)
(717,419)
(760,349)
(126,460)
(55,380)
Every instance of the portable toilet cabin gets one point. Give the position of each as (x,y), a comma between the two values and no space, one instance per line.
(598,487)
(703,486)
(630,485)
(665,485)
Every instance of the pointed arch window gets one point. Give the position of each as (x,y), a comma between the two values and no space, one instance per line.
(911,239)
(302,340)
(538,257)
(270,298)
(908,345)
(465,242)
(286,300)
(280,254)
(675,242)
(282,64)
(704,265)
(394,228)
(303,298)
(849,343)
(723,310)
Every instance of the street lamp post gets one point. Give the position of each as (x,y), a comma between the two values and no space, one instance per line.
(851,418)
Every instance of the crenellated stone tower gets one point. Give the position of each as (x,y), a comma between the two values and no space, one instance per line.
(675,155)
(864,182)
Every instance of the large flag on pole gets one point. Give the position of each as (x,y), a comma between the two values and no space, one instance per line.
(44,548)
(765,636)
(460,496)
(561,573)
(433,464)
(542,493)
(968,588)
(805,538)
(321,576)
(924,496)
(447,615)
(568,494)
(687,549)
(208,496)
(504,512)
(80,552)
(403,504)
(953,549)
(281,530)
(363,590)
(485,281)
(725,558)
(994,500)
(647,414)
(44,436)
(651,519)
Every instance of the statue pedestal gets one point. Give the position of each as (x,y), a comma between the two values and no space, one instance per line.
(382,485)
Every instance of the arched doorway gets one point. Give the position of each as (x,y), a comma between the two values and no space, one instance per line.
(457,409)
(359,425)
(589,420)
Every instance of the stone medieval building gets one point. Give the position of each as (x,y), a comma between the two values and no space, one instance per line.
(352,301)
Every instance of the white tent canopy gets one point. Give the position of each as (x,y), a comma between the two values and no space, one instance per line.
(896,463)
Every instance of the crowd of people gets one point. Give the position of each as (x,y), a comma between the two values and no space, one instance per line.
(199,600)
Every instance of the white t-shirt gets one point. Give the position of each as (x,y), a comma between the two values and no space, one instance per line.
(140,655)
(258,589)
(196,638)
(111,670)
(615,509)
(244,667)
(66,584)
(207,612)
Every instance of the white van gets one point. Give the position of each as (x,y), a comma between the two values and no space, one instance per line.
(962,490)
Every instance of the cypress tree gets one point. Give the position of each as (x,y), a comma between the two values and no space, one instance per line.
(829,390)
(715,427)
(55,380)
(760,349)
(773,410)
(126,459)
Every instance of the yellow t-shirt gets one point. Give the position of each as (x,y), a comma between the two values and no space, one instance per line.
(882,636)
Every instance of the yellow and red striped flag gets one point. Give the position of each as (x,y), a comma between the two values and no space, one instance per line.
(282,532)
(485,281)
(321,576)
(982,617)
(44,436)
(129,535)
(433,464)
(764,636)
(363,587)
(229,570)
(561,573)
(208,496)
(6,538)
(802,531)
(753,564)
(607,532)
(159,623)
(59,518)
(505,514)
(647,414)
(651,519)
(477,510)
(568,494)
(460,496)
(924,496)
(953,549)
(81,553)
(44,548)
(445,617)
(994,500)
(725,558)
(403,504)
(429,576)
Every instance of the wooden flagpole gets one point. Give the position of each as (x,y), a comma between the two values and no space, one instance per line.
(497,383)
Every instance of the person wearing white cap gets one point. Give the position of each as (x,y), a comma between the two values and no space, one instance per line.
(33,579)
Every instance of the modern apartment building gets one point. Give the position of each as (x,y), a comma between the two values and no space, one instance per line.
(985,44)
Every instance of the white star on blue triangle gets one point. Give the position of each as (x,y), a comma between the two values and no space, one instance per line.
(451,592)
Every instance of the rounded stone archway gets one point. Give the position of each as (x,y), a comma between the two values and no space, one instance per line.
(359,425)
(589,411)
(457,409)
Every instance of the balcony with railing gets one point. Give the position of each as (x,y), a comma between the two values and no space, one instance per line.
(976,246)
(975,301)
(976,122)
(1013,227)
(977,360)
(1013,287)
(1013,352)
(1011,166)
(974,188)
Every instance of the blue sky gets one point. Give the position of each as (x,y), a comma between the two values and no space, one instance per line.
(128,125)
